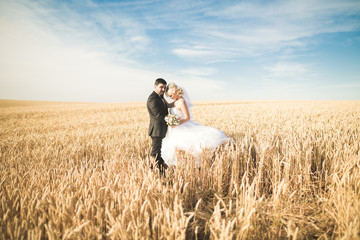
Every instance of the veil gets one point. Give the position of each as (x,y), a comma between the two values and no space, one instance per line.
(188,102)
(186,97)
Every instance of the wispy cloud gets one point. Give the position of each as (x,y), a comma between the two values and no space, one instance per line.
(88,25)
(98,46)
(350,85)
(43,68)
(201,87)
(206,30)
(199,71)
(40,63)
(260,27)
(287,75)
(284,69)
(67,56)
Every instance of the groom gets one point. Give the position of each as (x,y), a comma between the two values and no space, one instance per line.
(157,109)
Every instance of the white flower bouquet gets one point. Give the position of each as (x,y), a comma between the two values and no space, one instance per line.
(172,120)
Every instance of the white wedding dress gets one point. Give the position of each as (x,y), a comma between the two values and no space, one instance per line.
(191,137)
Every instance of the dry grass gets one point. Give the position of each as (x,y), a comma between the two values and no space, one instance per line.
(81,171)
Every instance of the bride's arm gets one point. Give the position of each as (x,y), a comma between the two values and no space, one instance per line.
(185,111)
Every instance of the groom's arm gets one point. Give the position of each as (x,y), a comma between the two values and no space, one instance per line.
(154,108)
(169,105)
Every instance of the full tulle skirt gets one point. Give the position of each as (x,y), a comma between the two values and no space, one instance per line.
(191,137)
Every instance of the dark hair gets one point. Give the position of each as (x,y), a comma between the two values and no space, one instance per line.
(160,80)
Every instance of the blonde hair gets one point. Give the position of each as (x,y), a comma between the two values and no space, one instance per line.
(171,86)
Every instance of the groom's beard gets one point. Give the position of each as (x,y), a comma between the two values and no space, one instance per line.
(160,93)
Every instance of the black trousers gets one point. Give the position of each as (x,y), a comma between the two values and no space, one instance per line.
(156,150)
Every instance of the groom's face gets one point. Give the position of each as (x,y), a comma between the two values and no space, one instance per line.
(160,88)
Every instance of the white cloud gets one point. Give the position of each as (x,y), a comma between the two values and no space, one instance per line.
(186,52)
(252,28)
(199,71)
(284,69)
(201,88)
(212,53)
(39,64)
(289,76)
(352,85)
(93,51)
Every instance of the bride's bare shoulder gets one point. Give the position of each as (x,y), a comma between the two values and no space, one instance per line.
(179,101)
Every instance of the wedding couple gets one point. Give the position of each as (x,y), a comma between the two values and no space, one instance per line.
(189,135)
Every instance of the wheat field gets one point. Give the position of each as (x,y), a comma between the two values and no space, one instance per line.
(81,171)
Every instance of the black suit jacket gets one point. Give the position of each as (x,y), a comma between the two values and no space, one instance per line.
(157,111)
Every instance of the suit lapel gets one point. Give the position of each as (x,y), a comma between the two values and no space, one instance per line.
(162,103)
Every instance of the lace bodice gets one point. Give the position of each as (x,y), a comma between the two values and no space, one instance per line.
(180,113)
(177,112)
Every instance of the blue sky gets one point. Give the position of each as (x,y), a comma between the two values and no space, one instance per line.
(112,51)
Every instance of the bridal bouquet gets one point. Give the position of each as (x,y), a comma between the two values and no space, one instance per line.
(172,120)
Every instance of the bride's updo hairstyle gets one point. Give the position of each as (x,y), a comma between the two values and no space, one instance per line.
(172,86)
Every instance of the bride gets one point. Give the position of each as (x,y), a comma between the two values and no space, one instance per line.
(189,135)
